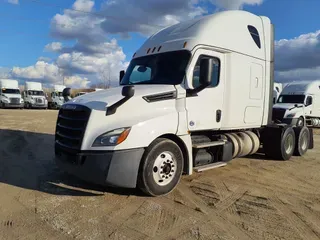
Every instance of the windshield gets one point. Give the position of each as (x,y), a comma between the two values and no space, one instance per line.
(291,99)
(10,91)
(163,68)
(35,93)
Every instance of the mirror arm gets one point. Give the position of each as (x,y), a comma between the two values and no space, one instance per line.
(194,92)
(113,108)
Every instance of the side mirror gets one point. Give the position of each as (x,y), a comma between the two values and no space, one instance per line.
(128,91)
(206,70)
(66,93)
(122,73)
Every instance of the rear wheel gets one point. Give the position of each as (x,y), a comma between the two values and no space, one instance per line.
(302,140)
(161,168)
(279,143)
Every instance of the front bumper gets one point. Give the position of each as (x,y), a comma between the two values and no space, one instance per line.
(114,168)
(11,105)
(34,105)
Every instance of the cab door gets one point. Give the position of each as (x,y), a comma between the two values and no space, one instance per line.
(205,109)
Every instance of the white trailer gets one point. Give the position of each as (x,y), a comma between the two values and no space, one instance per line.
(299,104)
(56,100)
(34,96)
(10,96)
(194,96)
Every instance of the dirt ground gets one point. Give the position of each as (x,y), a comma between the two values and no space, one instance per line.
(251,198)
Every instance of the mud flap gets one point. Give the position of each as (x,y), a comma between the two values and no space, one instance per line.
(311,141)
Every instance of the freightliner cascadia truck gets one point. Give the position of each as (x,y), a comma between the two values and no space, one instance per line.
(194,96)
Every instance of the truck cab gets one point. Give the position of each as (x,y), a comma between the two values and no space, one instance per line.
(10,95)
(195,96)
(34,96)
(56,99)
(298,104)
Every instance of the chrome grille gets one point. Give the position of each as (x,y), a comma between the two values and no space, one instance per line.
(39,100)
(71,126)
(14,100)
(278,114)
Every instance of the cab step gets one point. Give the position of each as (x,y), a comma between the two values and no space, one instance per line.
(209,144)
(209,166)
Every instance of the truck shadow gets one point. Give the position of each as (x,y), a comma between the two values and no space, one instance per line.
(27,161)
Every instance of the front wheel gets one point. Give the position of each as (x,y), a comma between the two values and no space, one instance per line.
(300,122)
(161,168)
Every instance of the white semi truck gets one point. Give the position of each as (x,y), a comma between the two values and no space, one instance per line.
(34,96)
(56,100)
(195,96)
(299,104)
(10,96)
(277,89)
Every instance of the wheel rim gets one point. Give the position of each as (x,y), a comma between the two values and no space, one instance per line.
(300,123)
(289,144)
(304,141)
(164,168)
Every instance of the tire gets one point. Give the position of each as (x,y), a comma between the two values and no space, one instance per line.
(300,122)
(279,143)
(302,140)
(161,154)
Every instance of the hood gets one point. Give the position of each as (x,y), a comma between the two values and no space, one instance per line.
(12,95)
(101,99)
(287,105)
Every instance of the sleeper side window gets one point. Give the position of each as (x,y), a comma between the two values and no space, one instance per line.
(215,74)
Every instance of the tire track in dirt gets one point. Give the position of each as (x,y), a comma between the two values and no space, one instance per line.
(302,228)
(220,220)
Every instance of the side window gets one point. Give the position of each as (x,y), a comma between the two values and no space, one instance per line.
(140,74)
(309,101)
(215,74)
(255,35)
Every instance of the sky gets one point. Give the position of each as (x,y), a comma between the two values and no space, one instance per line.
(84,42)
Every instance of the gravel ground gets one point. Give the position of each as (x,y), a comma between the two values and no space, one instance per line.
(251,198)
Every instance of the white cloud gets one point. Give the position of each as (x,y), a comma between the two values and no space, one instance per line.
(235,4)
(146,17)
(44,59)
(76,81)
(54,47)
(299,52)
(298,58)
(43,71)
(5,72)
(13,1)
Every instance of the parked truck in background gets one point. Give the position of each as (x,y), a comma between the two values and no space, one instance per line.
(10,95)
(34,96)
(299,104)
(195,96)
(277,89)
(55,99)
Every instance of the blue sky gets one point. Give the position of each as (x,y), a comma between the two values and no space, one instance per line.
(26,30)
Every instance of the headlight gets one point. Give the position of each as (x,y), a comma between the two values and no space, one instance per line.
(291,115)
(112,138)
(21,100)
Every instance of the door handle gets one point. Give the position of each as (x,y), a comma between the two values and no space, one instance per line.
(218,115)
